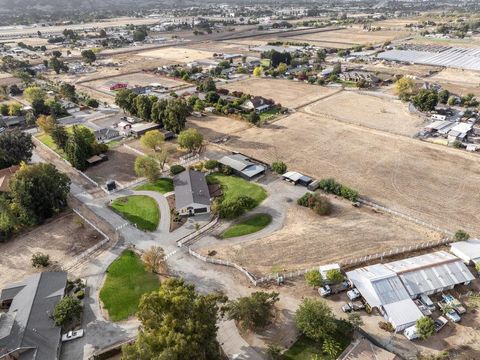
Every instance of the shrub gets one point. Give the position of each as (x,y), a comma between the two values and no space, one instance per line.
(314,278)
(80,294)
(210,164)
(332,187)
(176,169)
(386,326)
(461,235)
(320,204)
(226,170)
(40,260)
(235,207)
(67,309)
(279,167)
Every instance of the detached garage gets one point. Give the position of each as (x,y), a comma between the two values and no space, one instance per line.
(192,196)
(297,178)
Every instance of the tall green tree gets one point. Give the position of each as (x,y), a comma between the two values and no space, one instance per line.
(143,105)
(79,147)
(153,140)
(15,147)
(190,139)
(177,324)
(158,111)
(176,114)
(68,91)
(254,311)
(34,93)
(8,219)
(122,99)
(67,309)
(425,327)
(60,136)
(146,166)
(88,56)
(40,190)
(314,278)
(315,319)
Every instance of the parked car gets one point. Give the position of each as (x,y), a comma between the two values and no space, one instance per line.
(353,306)
(353,294)
(453,316)
(325,291)
(457,305)
(411,333)
(440,322)
(72,335)
(427,302)
(346,308)
(424,309)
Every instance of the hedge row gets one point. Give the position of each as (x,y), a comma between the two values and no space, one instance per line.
(333,187)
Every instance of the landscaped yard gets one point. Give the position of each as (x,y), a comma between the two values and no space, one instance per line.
(163,185)
(234,186)
(306,349)
(140,210)
(47,140)
(126,282)
(269,114)
(248,226)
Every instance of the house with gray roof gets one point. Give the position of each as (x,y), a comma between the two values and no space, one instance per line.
(191,193)
(243,166)
(27,331)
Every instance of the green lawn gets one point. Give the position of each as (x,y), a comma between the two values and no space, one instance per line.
(234,186)
(265,62)
(162,186)
(139,210)
(306,349)
(269,114)
(126,282)
(48,141)
(248,226)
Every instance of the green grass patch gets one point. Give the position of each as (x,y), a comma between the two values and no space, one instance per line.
(140,210)
(269,114)
(307,349)
(265,62)
(234,186)
(126,282)
(48,141)
(163,185)
(113,144)
(248,226)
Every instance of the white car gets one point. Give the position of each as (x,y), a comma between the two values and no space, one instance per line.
(353,294)
(72,335)
(453,316)
(325,291)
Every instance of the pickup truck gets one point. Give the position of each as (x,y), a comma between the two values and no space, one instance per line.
(439,323)
(450,314)
(353,294)
(353,306)
(72,335)
(457,305)
(424,309)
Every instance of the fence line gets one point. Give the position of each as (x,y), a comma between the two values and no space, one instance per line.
(181,242)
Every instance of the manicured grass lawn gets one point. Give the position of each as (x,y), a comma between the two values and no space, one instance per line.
(126,282)
(306,349)
(162,186)
(234,186)
(269,114)
(139,210)
(248,226)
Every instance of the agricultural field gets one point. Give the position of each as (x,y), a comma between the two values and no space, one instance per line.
(458,81)
(62,238)
(351,36)
(291,94)
(118,167)
(373,111)
(307,239)
(423,180)
(216,127)
(177,54)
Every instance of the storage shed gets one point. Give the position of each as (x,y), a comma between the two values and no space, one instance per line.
(297,178)
(243,166)
(468,251)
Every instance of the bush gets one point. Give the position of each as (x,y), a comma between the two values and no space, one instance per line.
(210,164)
(320,204)
(40,260)
(67,309)
(279,167)
(386,326)
(332,187)
(235,207)
(461,235)
(176,169)
(80,294)
(226,170)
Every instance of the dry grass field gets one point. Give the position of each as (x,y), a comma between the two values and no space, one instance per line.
(436,184)
(352,36)
(177,54)
(373,110)
(214,127)
(291,94)
(458,81)
(135,79)
(62,238)
(308,239)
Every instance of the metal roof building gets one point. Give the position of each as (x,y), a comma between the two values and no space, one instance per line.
(242,166)
(468,251)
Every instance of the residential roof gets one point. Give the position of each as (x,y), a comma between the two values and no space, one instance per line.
(5,176)
(468,249)
(27,326)
(362,349)
(107,132)
(190,188)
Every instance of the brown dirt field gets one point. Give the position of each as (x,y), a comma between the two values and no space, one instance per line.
(468,42)
(174,152)
(214,127)
(62,238)
(118,167)
(177,54)
(288,93)
(308,239)
(458,81)
(137,79)
(433,183)
(353,36)
(373,111)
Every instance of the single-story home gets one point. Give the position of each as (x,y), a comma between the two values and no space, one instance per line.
(258,103)
(5,177)
(243,166)
(192,195)
(27,330)
(141,128)
(106,134)
(297,178)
